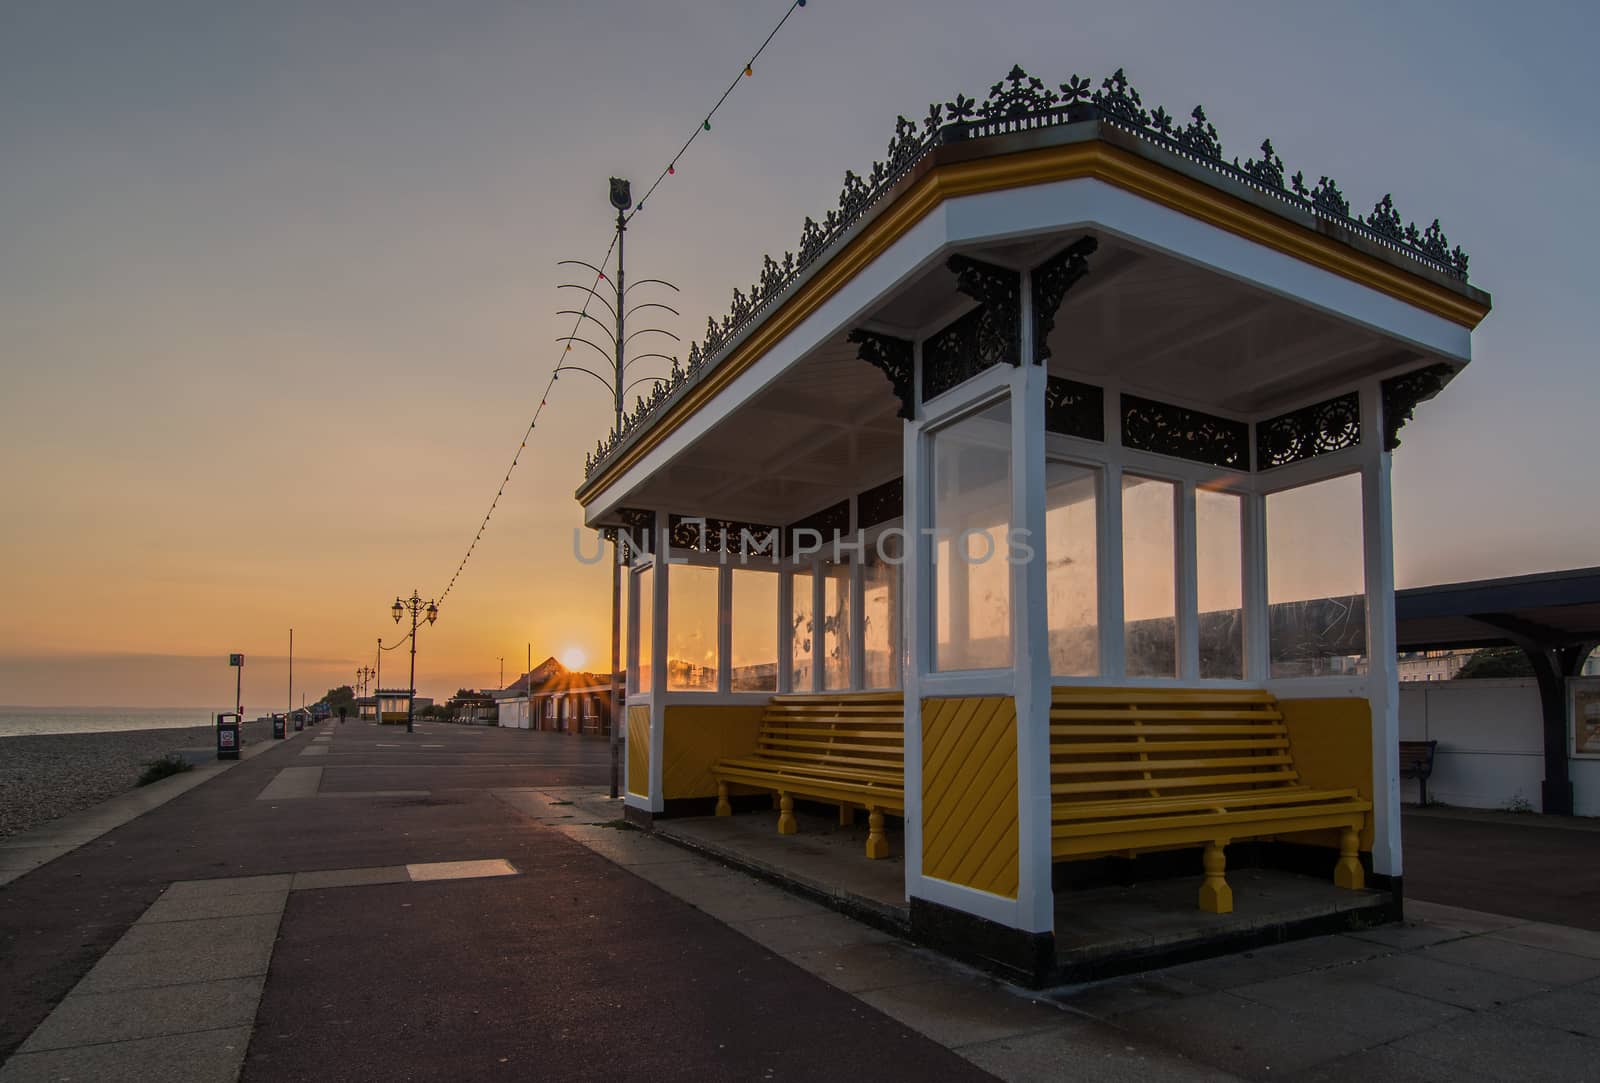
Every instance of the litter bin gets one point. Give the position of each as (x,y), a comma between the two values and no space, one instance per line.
(279,725)
(227,736)
(299,722)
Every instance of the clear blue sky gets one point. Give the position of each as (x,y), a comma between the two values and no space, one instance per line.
(265,266)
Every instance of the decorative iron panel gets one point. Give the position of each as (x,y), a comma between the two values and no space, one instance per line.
(1074,409)
(1051,281)
(988,335)
(1402,393)
(1309,431)
(1188,434)
(894,357)
(831,522)
(881,503)
(1022,102)
(699,534)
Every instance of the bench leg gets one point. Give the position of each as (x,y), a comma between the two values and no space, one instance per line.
(786,821)
(1216,897)
(1347,873)
(724,808)
(847,815)
(877,841)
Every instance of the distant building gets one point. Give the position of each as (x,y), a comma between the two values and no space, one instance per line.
(1431,665)
(552,697)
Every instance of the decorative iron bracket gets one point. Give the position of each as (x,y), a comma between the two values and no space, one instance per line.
(894,358)
(999,291)
(1051,281)
(1402,393)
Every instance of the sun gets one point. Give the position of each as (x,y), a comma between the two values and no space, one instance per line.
(574,658)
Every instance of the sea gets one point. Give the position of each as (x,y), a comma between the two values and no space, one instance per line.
(29,721)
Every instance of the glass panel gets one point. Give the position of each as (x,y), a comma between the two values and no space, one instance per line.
(971,513)
(755,631)
(1316,583)
(691,629)
(836,625)
(646,622)
(1149,577)
(880,620)
(800,632)
(1218,526)
(1072,582)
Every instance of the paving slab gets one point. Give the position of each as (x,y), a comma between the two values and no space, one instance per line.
(1085,1050)
(1118,996)
(1242,1036)
(208,1056)
(1553,937)
(957,1012)
(1576,1010)
(1501,1046)
(227,885)
(1456,917)
(290,783)
(856,968)
(1377,1013)
(1408,934)
(825,930)
(1551,968)
(92,1018)
(146,969)
(178,935)
(1279,960)
(460,870)
(215,906)
(1387,1063)
(1463,986)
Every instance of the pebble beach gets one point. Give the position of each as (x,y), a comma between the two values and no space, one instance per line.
(51,775)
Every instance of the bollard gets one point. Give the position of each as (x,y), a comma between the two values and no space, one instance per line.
(227,736)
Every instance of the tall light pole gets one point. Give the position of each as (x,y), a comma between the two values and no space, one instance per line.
(618,385)
(502,672)
(377,685)
(417,609)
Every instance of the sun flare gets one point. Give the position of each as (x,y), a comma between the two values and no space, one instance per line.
(574,658)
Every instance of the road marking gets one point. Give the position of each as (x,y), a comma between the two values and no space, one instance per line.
(461,870)
(292,782)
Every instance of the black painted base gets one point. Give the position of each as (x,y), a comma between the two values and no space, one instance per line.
(1026,958)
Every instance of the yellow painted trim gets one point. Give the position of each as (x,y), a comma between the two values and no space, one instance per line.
(970,832)
(1096,159)
(639,751)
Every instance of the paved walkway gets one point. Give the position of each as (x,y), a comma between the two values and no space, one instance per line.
(460,904)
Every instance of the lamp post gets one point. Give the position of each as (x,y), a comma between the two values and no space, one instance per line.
(431,610)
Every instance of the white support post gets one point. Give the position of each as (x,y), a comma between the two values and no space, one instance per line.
(915,645)
(1383,687)
(1187,579)
(819,638)
(1030,633)
(724,628)
(658,660)
(1253,553)
(785,629)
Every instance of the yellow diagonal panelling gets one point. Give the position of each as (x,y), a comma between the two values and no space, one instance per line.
(974,779)
(969,793)
(639,751)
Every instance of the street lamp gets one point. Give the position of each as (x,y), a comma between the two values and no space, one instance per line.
(431,612)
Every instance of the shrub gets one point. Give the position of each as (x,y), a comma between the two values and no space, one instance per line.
(158,769)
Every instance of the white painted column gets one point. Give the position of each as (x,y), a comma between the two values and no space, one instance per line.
(1383,680)
(1253,553)
(658,663)
(1187,579)
(915,640)
(1030,635)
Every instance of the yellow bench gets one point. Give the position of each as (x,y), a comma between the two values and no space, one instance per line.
(846,748)
(1149,769)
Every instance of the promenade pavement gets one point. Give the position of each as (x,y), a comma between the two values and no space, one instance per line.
(462,903)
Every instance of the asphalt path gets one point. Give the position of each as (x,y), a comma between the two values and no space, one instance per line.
(574,969)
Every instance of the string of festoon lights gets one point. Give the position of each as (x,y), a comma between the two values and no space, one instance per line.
(747,71)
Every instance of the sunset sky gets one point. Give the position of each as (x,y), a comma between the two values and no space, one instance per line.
(278,283)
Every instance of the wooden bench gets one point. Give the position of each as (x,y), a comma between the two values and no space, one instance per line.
(1416,761)
(845,748)
(1149,769)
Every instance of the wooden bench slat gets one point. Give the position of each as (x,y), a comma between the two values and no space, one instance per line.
(1133,744)
(1151,764)
(1089,693)
(1244,779)
(1065,714)
(1283,795)
(1123,729)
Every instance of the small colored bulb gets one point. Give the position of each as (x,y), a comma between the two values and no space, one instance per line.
(749,70)
(708,124)
(672,170)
